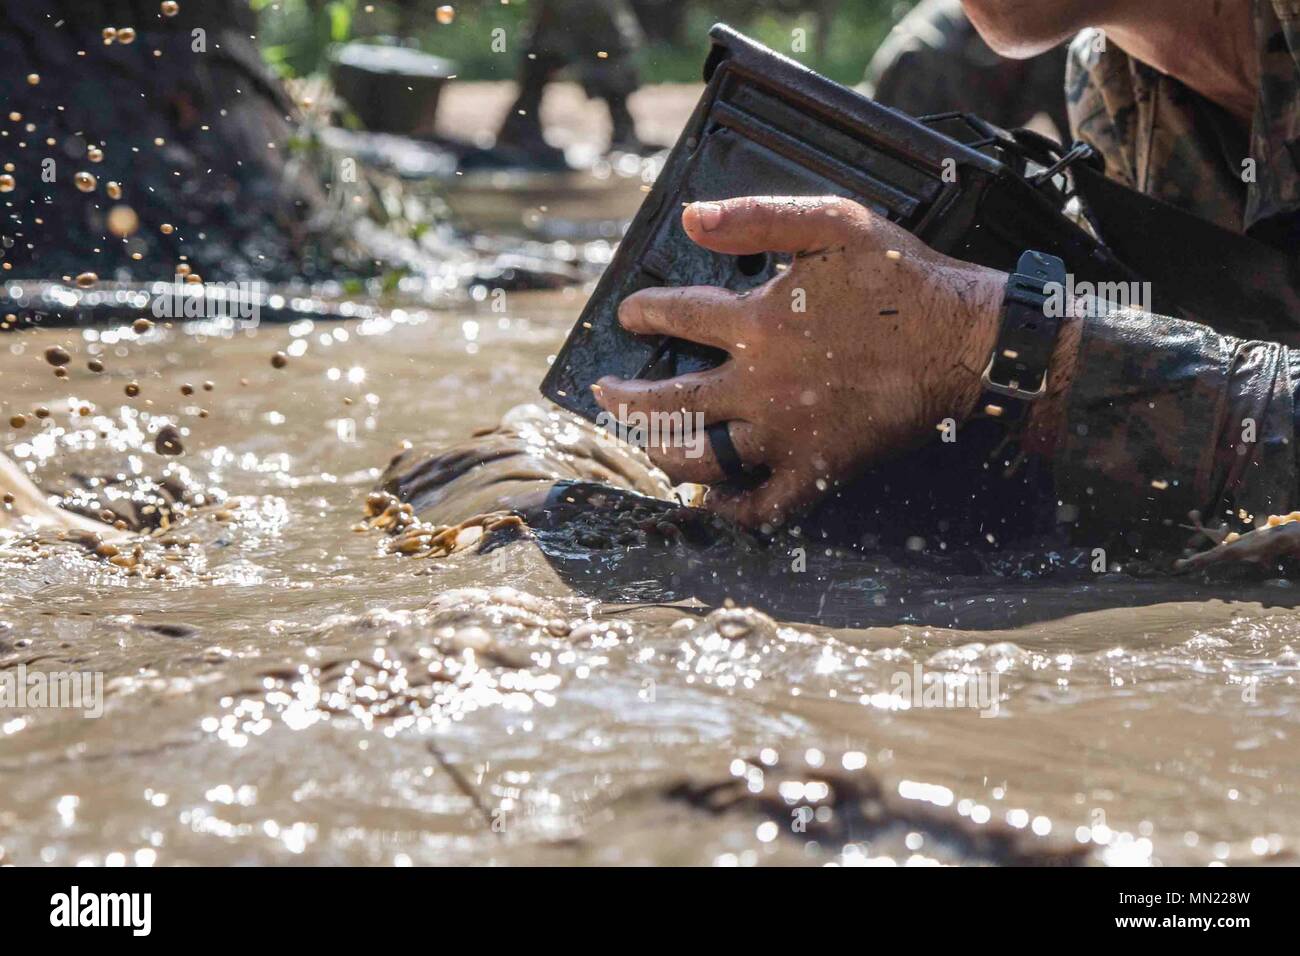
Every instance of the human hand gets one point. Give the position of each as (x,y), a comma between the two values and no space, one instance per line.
(858,351)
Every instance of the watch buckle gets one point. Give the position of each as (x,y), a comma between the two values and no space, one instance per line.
(1010,391)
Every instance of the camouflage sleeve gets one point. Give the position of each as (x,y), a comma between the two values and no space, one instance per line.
(1167,416)
(1102,103)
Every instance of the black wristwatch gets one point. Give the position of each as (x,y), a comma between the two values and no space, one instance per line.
(1016,375)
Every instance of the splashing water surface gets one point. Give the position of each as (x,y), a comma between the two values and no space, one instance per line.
(277,687)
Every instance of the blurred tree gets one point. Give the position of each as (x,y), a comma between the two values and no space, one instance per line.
(839,36)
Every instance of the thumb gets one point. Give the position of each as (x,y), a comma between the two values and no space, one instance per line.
(772,223)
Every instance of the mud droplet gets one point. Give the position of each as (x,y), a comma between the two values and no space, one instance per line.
(445,14)
(187,389)
(141,326)
(279,360)
(7,183)
(125,34)
(95,365)
(167,229)
(33,79)
(86,280)
(17,421)
(113,189)
(85,181)
(122,220)
(132,389)
(57,355)
(168,441)
(170,8)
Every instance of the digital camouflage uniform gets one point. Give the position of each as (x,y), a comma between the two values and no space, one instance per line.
(1162,412)
(934,61)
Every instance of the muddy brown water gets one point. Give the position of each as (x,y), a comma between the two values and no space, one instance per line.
(295,694)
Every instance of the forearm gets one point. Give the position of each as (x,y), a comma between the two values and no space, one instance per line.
(1149,418)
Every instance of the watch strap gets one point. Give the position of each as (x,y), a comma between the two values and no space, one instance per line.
(1016,374)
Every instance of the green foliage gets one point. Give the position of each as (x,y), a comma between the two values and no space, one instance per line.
(296,34)
(840,49)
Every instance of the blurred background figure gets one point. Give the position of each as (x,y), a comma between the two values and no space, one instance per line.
(934,61)
(599,40)
(664,21)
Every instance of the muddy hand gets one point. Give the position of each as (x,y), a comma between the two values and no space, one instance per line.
(858,351)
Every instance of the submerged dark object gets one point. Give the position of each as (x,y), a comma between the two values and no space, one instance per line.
(838,807)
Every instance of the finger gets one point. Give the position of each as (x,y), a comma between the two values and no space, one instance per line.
(695,394)
(773,223)
(693,458)
(785,493)
(704,314)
